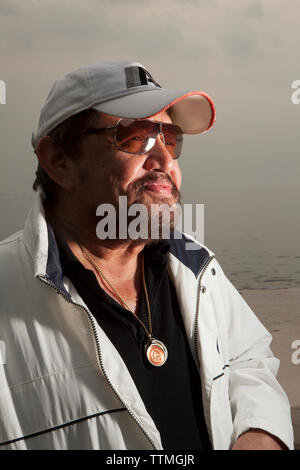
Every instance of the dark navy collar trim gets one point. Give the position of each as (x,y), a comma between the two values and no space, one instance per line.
(192,259)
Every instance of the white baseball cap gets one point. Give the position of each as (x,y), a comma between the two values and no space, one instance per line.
(124,89)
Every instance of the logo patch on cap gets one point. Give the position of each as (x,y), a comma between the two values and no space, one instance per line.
(137,76)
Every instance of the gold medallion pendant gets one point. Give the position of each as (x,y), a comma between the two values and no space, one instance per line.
(156,352)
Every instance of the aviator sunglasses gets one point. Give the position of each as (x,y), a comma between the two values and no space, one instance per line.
(138,136)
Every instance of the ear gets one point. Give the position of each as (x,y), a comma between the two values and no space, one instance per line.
(55,162)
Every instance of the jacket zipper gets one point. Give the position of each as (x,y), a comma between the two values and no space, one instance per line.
(93,325)
(198,304)
(195,331)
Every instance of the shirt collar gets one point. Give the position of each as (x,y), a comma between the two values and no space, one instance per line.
(158,250)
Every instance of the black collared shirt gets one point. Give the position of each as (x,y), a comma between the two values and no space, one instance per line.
(172,392)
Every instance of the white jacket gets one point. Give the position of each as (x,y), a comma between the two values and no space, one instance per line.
(63,385)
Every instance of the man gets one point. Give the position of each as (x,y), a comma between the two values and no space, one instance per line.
(123,342)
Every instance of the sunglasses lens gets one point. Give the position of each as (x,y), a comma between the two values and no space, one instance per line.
(135,136)
(138,137)
(173,139)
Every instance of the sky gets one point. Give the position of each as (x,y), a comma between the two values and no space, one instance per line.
(245,55)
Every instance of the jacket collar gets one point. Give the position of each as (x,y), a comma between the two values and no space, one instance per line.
(35,235)
(189,252)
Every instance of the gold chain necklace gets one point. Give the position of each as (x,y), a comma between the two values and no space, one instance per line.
(156,352)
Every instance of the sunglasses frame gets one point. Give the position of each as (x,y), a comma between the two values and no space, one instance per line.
(97,130)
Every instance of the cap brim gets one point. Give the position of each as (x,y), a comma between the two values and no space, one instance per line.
(194,111)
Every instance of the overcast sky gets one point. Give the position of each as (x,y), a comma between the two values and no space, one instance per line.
(245,54)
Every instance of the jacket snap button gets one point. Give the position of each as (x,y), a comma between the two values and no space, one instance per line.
(203,289)
(213,271)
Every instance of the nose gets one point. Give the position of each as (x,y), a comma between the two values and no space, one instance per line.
(159,158)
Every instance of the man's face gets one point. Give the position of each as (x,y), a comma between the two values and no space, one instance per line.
(104,173)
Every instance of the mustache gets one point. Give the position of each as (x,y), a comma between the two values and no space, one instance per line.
(139,185)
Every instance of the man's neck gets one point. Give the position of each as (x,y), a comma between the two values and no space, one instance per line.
(119,258)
